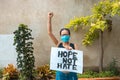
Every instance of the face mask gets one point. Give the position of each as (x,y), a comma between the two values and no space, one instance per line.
(65,38)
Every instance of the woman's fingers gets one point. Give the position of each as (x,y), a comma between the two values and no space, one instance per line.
(50,14)
(69,48)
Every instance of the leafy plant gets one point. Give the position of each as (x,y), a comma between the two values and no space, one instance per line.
(44,73)
(92,74)
(25,60)
(97,23)
(1,72)
(10,72)
(88,74)
(99,20)
(113,68)
(106,74)
(111,71)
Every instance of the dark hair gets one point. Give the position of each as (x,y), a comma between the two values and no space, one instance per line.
(65,29)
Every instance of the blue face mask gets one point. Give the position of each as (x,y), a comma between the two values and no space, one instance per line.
(65,38)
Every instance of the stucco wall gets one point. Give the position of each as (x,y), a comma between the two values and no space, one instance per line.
(34,14)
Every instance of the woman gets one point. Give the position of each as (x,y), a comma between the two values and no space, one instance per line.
(64,43)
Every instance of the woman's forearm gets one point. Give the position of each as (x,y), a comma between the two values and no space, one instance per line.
(49,25)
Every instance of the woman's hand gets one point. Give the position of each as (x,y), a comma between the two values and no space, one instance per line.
(68,48)
(50,14)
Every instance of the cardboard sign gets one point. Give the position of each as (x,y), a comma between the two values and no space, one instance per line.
(66,60)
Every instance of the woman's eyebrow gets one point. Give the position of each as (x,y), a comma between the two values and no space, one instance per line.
(65,34)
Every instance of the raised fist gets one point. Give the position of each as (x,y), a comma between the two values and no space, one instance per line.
(50,14)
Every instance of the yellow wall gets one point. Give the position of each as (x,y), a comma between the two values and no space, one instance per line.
(34,14)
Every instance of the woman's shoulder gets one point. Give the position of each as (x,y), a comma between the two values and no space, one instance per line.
(59,43)
(74,45)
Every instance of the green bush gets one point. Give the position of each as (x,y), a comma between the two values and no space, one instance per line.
(112,70)
(1,72)
(113,67)
(92,74)
(106,74)
(88,74)
(44,72)
(25,58)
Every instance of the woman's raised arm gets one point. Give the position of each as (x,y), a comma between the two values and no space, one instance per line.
(49,28)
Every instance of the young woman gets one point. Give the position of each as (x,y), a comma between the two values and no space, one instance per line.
(64,43)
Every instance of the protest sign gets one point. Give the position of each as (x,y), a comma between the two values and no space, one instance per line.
(66,60)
